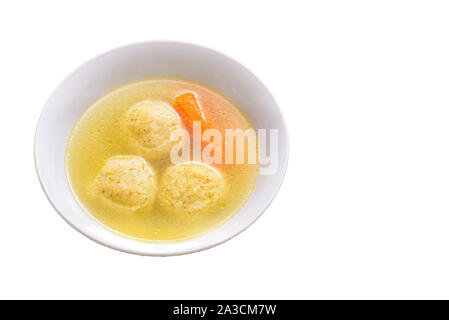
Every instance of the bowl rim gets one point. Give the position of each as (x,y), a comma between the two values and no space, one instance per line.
(112,245)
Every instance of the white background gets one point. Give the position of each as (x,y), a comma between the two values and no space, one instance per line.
(364,208)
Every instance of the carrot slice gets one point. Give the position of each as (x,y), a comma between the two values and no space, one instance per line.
(189,110)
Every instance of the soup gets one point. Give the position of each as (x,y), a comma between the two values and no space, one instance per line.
(120,160)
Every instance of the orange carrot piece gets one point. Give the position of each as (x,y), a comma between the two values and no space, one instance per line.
(189,110)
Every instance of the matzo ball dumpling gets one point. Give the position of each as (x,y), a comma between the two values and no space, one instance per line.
(127,181)
(190,187)
(147,127)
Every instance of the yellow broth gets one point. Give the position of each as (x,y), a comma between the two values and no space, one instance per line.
(96,138)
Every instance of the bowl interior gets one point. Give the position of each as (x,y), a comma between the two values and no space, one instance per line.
(153,59)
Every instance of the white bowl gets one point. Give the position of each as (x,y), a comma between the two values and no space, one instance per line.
(145,60)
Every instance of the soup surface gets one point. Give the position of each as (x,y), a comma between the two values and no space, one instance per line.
(119,166)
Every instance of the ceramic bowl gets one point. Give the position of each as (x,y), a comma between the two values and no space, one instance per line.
(148,60)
